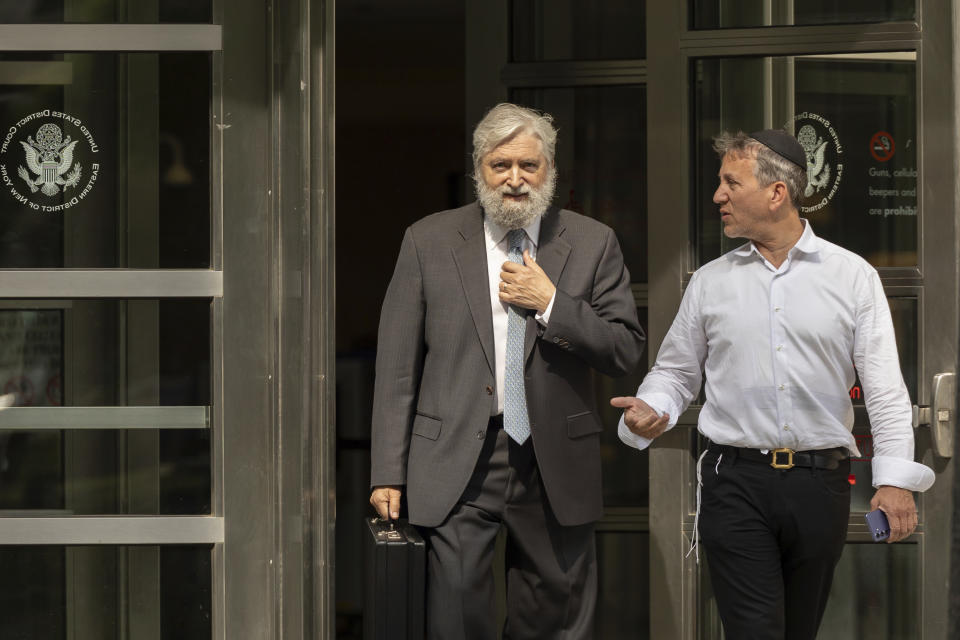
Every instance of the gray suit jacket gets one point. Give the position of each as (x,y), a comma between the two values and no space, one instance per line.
(435,382)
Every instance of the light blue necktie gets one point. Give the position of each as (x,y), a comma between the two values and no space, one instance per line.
(516,422)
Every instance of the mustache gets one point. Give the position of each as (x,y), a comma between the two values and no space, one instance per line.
(519,191)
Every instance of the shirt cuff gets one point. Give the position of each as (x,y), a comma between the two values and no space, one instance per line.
(899,472)
(629,438)
(659,402)
(662,403)
(544,318)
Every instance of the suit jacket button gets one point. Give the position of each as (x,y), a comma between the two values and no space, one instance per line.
(556,340)
(480,435)
(489,390)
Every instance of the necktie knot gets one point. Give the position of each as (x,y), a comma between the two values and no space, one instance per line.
(515,240)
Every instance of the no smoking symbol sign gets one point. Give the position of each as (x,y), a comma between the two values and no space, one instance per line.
(882,146)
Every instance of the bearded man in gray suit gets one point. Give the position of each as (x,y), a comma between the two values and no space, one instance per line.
(497,316)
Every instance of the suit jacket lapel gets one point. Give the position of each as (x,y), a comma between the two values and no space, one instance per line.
(552,252)
(471,259)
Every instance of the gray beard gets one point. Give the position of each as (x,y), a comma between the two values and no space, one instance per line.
(511,215)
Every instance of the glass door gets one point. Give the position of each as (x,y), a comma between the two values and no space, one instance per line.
(109,310)
(854,84)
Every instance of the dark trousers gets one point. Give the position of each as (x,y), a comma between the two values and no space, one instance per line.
(772,539)
(551,569)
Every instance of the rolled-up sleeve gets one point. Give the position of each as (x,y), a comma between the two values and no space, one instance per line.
(885,394)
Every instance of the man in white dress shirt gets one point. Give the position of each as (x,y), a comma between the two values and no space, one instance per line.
(780,327)
(496,317)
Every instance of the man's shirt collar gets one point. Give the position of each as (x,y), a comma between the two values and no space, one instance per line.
(808,243)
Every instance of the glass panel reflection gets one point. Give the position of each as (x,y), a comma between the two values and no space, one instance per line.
(103,353)
(856,115)
(623,603)
(107,11)
(105,472)
(602,159)
(96,353)
(31,357)
(861,472)
(905,313)
(875,594)
(715,14)
(578,30)
(105,160)
(100,593)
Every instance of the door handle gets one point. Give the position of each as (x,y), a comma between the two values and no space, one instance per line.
(941,416)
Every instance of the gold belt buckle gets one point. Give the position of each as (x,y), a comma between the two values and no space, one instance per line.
(777,465)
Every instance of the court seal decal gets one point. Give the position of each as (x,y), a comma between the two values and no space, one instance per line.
(824,159)
(46,161)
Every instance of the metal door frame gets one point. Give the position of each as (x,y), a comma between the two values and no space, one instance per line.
(278,344)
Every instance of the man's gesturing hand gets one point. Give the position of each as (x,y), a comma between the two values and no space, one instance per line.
(525,285)
(640,418)
(386,500)
(900,509)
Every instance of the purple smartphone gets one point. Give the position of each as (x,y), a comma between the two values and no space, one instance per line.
(878,525)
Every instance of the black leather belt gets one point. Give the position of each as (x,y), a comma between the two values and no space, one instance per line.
(786,458)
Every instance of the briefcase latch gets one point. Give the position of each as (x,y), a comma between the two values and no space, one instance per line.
(390,535)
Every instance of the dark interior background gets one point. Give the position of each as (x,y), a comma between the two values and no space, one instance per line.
(401,155)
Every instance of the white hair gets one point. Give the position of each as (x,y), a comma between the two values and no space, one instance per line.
(506,121)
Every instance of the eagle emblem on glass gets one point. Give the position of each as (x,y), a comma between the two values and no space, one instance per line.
(50,157)
(818,170)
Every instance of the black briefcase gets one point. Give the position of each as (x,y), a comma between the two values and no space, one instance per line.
(395,561)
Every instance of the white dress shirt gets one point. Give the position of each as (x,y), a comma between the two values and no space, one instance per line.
(498,253)
(778,347)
